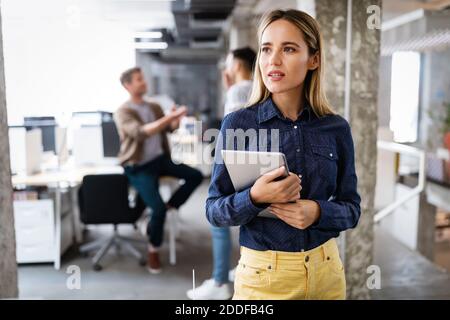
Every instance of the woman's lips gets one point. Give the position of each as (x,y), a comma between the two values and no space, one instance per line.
(275,75)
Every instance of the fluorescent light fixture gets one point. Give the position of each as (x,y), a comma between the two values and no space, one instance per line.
(151,45)
(149,35)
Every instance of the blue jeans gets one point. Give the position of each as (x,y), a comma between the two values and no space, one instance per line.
(221,242)
(145,178)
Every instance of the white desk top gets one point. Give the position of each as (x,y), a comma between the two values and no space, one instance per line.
(72,175)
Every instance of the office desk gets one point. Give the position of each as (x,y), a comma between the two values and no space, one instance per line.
(68,178)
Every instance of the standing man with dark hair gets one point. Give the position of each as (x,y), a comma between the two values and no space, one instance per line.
(145,155)
(237,81)
(237,78)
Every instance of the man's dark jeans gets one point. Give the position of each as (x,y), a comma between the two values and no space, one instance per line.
(145,178)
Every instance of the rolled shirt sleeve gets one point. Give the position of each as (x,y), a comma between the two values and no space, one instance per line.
(129,125)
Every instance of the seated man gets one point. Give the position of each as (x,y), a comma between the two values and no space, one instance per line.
(145,155)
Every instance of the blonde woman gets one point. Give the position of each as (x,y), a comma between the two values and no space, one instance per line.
(294,256)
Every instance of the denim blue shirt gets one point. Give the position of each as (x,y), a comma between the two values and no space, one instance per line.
(319,148)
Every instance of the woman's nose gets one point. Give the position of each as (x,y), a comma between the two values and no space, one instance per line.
(275,59)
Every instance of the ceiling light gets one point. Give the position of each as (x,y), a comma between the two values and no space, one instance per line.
(149,35)
(151,45)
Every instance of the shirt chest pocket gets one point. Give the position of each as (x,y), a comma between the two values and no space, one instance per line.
(326,162)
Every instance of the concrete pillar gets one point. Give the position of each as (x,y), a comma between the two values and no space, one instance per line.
(331,16)
(365,52)
(8,265)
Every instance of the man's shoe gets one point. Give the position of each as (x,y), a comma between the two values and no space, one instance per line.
(154,264)
(209,290)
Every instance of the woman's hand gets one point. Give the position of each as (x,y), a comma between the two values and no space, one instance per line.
(300,214)
(267,190)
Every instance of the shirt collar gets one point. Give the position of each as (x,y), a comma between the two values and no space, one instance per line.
(268,109)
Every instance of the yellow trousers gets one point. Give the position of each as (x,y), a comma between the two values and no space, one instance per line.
(316,274)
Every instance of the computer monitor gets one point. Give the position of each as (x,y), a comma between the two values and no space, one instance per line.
(104,119)
(47,126)
(25,150)
(111,140)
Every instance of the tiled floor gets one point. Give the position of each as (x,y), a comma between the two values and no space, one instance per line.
(404,274)
(122,277)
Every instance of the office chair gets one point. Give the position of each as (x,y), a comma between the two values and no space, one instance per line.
(104,199)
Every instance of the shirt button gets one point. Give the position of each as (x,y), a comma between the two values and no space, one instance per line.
(306,258)
(295,127)
(298,150)
(331,155)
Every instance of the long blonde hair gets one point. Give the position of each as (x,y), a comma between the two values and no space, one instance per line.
(313,88)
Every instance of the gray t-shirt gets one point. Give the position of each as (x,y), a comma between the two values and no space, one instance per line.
(237,96)
(152,145)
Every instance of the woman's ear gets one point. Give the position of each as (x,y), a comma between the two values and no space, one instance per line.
(314,61)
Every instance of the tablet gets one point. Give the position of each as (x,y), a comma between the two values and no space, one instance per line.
(245,167)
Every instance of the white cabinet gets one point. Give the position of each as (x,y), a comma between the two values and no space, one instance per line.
(41,236)
(35,230)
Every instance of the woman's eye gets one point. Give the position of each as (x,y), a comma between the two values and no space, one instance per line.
(265,49)
(289,49)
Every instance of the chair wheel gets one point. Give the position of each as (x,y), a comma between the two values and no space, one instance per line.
(97,267)
(142,262)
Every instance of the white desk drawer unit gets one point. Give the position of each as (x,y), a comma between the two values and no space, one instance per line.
(35,231)
(45,228)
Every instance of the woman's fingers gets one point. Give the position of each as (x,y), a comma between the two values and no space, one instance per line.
(286,217)
(288,209)
(290,187)
(294,197)
(290,219)
(284,209)
(292,179)
(293,190)
(272,175)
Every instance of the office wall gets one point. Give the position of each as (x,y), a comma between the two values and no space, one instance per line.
(63,56)
(194,84)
